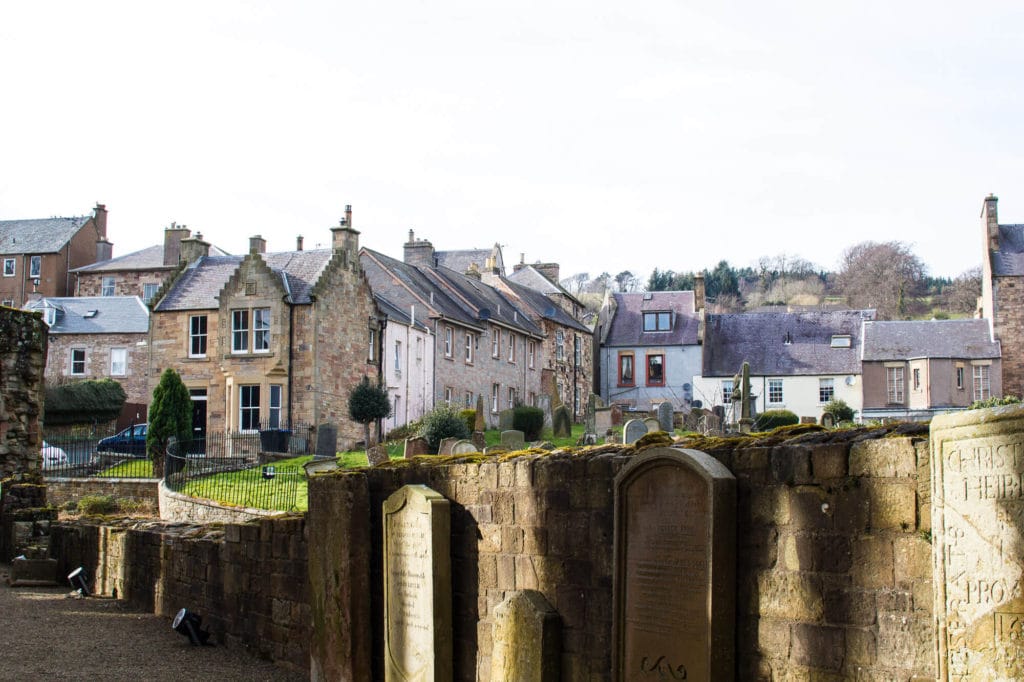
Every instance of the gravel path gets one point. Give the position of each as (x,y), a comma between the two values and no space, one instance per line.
(47,635)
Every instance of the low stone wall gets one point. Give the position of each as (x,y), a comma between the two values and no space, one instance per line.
(61,491)
(833,556)
(186,509)
(249,582)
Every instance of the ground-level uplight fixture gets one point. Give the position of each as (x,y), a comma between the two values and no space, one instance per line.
(77,580)
(188,624)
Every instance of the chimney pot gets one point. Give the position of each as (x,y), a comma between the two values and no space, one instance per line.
(298,243)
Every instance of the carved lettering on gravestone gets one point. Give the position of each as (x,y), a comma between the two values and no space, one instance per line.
(417,586)
(977,514)
(665,416)
(674,576)
(633,431)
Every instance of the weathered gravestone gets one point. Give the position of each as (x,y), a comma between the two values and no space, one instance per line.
(828,420)
(506,418)
(513,440)
(673,608)
(633,431)
(326,441)
(652,425)
(479,440)
(602,419)
(544,403)
(590,419)
(377,455)
(527,639)
(479,422)
(464,447)
(616,415)
(665,417)
(445,448)
(561,422)
(417,586)
(415,447)
(977,514)
(496,450)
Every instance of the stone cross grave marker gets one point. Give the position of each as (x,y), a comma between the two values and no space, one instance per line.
(513,440)
(464,447)
(527,639)
(417,586)
(633,431)
(415,446)
(665,416)
(673,583)
(977,514)
(377,455)
(326,441)
(652,425)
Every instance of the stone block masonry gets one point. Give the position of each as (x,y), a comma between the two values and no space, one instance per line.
(23,343)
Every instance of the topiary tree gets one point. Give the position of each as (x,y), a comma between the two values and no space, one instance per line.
(367,403)
(170,415)
(443,422)
(840,410)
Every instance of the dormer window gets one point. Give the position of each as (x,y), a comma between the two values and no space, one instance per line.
(657,322)
(841,341)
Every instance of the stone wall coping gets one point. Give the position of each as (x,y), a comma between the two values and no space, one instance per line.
(170,501)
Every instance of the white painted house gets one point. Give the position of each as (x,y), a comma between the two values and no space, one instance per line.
(407,364)
(798,361)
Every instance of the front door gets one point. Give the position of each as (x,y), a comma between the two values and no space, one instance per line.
(198,396)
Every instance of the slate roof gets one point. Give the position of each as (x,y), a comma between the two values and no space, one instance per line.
(906,340)
(43,235)
(542,306)
(531,277)
(397,314)
(627,326)
(783,344)
(199,285)
(96,314)
(150,258)
(459,261)
(1009,259)
(456,297)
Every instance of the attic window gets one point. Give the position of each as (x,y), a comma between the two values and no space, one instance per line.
(90,313)
(657,322)
(250,288)
(841,341)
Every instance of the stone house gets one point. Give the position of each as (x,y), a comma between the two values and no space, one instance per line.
(798,361)
(1002,292)
(485,344)
(650,350)
(140,273)
(568,347)
(269,339)
(407,363)
(98,337)
(918,369)
(37,256)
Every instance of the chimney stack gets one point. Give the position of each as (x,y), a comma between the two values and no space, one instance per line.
(419,252)
(104,250)
(257,244)
(549,270)
(990,215)
(298,243)
(344,239)
(172,243)
(194,248)
(698,292)
(99,218)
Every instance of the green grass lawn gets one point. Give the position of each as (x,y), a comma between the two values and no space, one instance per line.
(131,468)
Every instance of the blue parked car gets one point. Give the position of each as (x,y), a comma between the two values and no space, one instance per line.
(131,441)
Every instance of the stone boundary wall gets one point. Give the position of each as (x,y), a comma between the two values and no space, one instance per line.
(249,582)
(187,509)
(62,490)
(833,556)
(23,341)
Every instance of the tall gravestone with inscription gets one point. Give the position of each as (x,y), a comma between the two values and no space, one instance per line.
(977,460)
(675,568)
(417,586)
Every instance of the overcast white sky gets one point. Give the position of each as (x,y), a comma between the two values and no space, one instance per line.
(606,136)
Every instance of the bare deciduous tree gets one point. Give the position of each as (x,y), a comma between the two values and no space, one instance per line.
(884,276)
(962,295)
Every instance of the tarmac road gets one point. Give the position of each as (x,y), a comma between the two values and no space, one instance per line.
(45,634)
